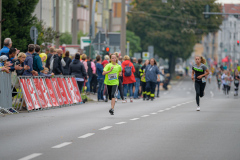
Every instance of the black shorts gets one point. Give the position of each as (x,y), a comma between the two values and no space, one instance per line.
(112,90)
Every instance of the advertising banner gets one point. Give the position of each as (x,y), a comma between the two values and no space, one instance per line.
(58,94)
(69,83)
(40,93)
(67,91)
(45,93)
(62,91)
(33,94)
(26,94)
(51,92)
(76,90)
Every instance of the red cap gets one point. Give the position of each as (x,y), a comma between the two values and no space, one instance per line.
(104,62)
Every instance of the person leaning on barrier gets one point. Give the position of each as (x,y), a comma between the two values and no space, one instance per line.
(20,62)
(29,61)
(77,69)
(37,61)
(12,58)
(7,45)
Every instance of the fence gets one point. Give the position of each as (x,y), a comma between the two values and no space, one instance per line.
(38,93)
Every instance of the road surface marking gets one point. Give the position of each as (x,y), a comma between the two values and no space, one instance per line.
(134,119)
(120,122)
(31,156)
(86,135)
(105,128)
(167,109)
(173,107)
(153,113)
(212,95)
(178,105)
(62,145)
(161,111)
(145,116)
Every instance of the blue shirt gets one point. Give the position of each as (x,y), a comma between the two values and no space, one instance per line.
(4,51)
(100,71)
(29,62)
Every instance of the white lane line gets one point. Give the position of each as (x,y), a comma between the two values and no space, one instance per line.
(161,111)
(120,122)
(105,128)
(86,135)
(145,116)
(134,119)
(178,105)
(212,94)
(62,145)
(31,156)
(153,113)
(167,109)
(173,106)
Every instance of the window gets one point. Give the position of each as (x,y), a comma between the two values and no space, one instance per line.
(230,24)
(117,10)
(235,24)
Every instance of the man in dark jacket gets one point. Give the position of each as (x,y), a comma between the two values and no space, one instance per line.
(57,65)
(49,57)
(137,76)
(77,69)
(37,62)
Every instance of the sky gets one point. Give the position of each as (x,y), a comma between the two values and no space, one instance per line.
(228,1)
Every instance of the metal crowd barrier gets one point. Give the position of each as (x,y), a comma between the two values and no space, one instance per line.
(38,93)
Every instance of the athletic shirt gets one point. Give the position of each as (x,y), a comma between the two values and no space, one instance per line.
(235,80)
(199,70)
(111,78)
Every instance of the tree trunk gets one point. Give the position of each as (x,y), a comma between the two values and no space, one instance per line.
(171,64)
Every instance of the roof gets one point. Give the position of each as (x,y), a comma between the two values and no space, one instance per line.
(231,8)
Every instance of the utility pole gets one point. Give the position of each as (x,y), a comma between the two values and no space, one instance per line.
(74,23)
(57,23)
(90,27)
(0,23)
(123,29)
(110,20)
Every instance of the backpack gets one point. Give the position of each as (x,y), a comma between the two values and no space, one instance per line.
(128,71)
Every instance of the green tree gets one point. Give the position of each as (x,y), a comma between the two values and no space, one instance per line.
(135,42)
(66,38)
(18,21)
(172,28)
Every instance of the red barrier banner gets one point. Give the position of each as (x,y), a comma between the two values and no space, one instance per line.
(51,92)
(59,96)
(33,94)
(67,90)
(26,94)
(71,90)
(62,91)
(40,93)
(76,90)
(45,93)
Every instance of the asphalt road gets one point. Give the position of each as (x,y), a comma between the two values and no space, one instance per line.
(168,128)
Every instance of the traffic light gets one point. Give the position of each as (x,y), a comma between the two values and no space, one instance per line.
(207,9)
(107,49)
(238,42)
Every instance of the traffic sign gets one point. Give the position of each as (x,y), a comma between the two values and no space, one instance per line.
(34,34)
(85,41)
(145,55)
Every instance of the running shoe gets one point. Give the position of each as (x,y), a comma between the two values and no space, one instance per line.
(131,100)
(144,99)
(116,99)
(147,98)
(124,101)
(152,99)
(111,111)
(198,108)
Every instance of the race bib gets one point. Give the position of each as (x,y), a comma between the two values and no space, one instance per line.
(236,81)
(112,76)
(203,80)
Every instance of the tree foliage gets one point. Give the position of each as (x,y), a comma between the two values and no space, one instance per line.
(172,28)
(18,21)
(135,42)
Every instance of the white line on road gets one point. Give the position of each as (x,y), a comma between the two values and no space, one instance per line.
(161,111)
(134,119)
(62,145)
(31,156)
(167,109)
(145,116)
(212,95)
(153,113)
(105,128)
(173,106)
(178,105)
(86,135)
(120,122)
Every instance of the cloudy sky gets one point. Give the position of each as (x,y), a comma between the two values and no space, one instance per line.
(228,1)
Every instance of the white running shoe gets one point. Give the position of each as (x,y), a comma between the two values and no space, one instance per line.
(198,108)
(116,99)
(124,101)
